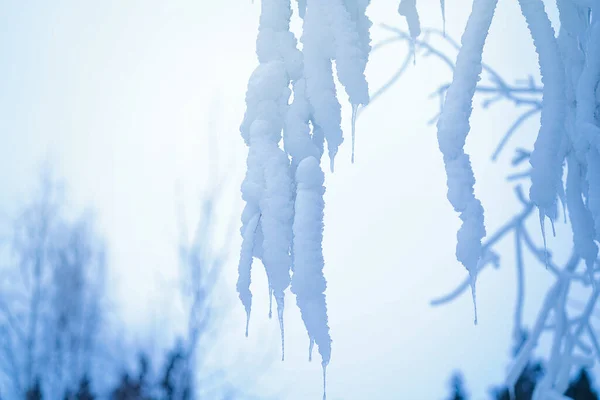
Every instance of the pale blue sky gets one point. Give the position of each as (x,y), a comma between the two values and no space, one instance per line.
(119,96)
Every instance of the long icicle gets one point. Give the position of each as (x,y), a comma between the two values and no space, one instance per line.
(546,169)
(453,128)
(354,112)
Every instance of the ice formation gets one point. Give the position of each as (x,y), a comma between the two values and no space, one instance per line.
(282,222)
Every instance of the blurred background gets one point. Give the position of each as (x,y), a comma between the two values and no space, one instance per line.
(120,167)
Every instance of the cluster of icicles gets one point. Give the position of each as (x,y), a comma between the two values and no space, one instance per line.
(570,68)
(282,223)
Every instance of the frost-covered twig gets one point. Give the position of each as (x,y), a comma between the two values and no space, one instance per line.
(582,197)
(523,93)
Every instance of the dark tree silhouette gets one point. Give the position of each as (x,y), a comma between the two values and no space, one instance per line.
(176,382)
(84,392)
(134,388)
(581,387)
(525,385)
(457,385)
(35,392)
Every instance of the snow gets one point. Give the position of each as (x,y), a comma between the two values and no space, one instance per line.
(546,170)
(453,128)
(282,223)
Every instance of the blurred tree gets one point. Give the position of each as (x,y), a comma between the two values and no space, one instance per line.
(50,297)
(84,391)
(35,392)
(523,389)
(457,385)
(177,380)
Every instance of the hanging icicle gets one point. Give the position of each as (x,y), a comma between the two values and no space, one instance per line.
(268,184)
(587,129)
(581,218)
(408,9)
(545,168)
(350,54)
(318,50)
(593,177)
(282,223)
(443,9)
(453,128)
(245,265)
(308,282)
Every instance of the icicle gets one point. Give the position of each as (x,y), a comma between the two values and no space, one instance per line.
(472,282)
(247,322)
(318,50)
(308,282)
(324,381)
(543,229)
(587,124)
(408,9)
(267,99)
(363,26)
(354,111)
(350,53)
(453,128)
(593,177)
(546,167)
(581,218)
(280,317)
(443,7)
(310,349)
(277,215)
(245,263)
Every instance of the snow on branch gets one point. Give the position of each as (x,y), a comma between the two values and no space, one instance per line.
(282,222)
(453,127)
(569,101)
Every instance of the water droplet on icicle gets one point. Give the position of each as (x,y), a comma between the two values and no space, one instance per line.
(324,381)
(310,349)
(354,112)
(280,316)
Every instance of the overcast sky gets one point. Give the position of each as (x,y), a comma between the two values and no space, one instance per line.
(123,97)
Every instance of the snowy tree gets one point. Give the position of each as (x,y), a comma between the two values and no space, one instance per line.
(282,219)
